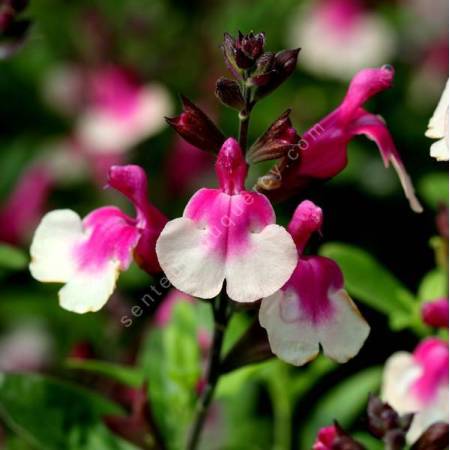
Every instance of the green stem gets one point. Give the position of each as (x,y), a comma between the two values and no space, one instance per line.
(244,118)
(221,317)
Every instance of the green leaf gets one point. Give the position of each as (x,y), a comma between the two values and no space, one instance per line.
(172,360)
(12,258)
(52,415)
(130,376)
(433,188)
(344,402)
(433,285)
(368,281)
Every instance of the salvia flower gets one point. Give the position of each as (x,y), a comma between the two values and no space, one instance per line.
(418,383)
(227,234)
(438,128)
(341,37)
(121,112)
(322,151)
(435,313)
(88,255)
(312,309)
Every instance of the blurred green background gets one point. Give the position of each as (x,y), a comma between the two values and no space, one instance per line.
(176,43)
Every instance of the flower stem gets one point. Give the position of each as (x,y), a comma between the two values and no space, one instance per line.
(221,317)
(244,118)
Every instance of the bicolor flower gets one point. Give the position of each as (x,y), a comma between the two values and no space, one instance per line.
(344,28)
(322,152)
(121,112)
(22,210)
(438,128)
(115,111)
(88,255)
(227,234)
(312,309)
(418,383)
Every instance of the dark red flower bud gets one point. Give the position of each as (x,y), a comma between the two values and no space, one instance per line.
(277,71)
(253,45)
(434,437)
(7,16)
(197,128)
(229,93)
(280,138)
(241,53)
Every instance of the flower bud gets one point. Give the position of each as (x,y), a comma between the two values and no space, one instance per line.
(279,138)
(435,313)
(384,422)
(242,53)
(274,71)
(197,128)
(434,437)
(229,93)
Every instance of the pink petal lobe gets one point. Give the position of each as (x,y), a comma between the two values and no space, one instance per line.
(432,355)
(111,236)
(231,168)
(306,220)
(375,129)
(364,85)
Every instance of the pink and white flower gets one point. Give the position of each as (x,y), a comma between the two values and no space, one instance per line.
(418,383)
(88,255)
(227,234)
(340,37)
(312,309)
(438,128)
(323,148)
(121,112)
(115,111)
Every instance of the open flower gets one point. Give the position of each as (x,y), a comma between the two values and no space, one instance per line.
(121,112)
(312,309)
(87,255)
(344,28)
(322,152)
(227,234)
(418,383)
(438,128)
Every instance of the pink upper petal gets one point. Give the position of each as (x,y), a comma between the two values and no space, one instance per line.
(364,85)
(112,235)
(435,313)
(131,181)
(306,220)
(231,167)
(432,355)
